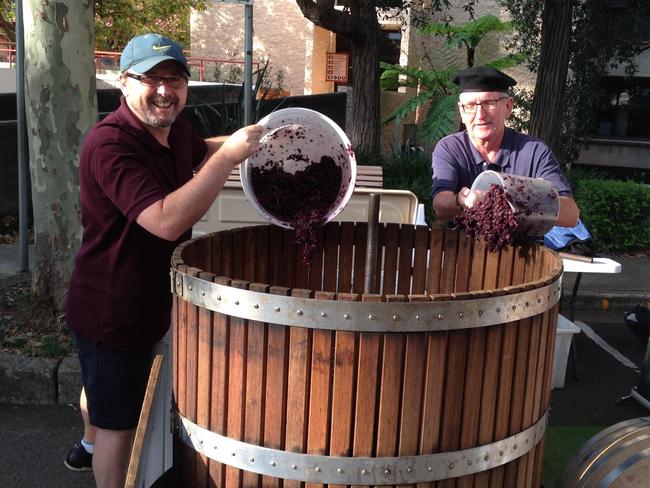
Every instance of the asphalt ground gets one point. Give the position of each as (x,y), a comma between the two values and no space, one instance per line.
(34,440)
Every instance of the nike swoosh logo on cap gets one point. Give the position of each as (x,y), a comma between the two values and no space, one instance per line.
(159,48)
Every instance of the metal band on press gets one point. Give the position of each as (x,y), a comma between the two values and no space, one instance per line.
(366,316)
(359,470)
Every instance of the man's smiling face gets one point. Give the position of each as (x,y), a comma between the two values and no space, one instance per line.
(156,106)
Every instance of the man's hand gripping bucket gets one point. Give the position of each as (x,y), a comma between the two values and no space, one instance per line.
(534,201)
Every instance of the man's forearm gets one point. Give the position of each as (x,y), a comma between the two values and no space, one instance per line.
(569,213)
(446,206)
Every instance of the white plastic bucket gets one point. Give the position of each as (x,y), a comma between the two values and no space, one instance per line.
(297,137)
(535,201)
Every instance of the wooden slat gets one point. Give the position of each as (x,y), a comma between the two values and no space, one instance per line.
(181,351)
(477,270)
(219,383)
(250,254)
(316,268)
(134,467)
(390,242)
(204,380)
(463,263)
(434,376)
(453,394)
(215,268)
(320,389)
(448,271)
(262,254)
(289,252)
(191,348)
(330,264)
(421,242)
(346,258)
(175,331)
(412,392)
(297,388)
(360,240)
(390,391)
(551,318)
(472,396)
(276,387)
(343,388)
(238,254)
(406,247)
(255,360)
(226,254)
(509,352)
(524,472)
(275,256)
(366,389)
(236,385)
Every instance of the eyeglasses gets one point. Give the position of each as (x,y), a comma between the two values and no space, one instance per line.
(156,81)
(489,105)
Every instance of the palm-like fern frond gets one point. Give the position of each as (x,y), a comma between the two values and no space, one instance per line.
(404,110)
(441,118)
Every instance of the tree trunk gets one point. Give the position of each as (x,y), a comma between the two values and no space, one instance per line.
(363,128)
(545,121)
(61,105)
(361,27)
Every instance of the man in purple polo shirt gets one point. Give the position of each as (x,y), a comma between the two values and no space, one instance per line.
(484,105)
(139,200)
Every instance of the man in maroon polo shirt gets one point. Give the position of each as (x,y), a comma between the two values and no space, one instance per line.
(139,200)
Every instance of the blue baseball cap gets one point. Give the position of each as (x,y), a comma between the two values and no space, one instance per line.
(146,51)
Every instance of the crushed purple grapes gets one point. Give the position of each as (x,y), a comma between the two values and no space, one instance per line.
(302,199)
(491,219)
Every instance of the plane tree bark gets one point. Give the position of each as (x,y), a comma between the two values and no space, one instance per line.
(61,105)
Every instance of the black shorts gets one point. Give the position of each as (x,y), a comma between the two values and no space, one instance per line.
(115,383)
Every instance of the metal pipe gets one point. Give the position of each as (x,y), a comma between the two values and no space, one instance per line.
(248,64)
(372,243)
(23,243)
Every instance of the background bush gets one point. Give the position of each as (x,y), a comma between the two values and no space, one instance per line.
(617,213)
(406,171)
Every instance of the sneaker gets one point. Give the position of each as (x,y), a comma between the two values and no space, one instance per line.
(79,459)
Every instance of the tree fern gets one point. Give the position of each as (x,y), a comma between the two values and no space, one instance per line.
(435,86)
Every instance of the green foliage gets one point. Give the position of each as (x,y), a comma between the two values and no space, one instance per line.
(468,34)
(405,171)
(591,55)
(617,213)
(117,21)
(435,86)
(225,118)
(411,172)
(520,117)
(8,19)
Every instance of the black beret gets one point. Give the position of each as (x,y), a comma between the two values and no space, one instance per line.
(483,79)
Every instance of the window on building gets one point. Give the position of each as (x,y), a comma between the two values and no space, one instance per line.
(623,110)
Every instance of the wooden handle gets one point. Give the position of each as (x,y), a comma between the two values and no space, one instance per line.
(576,257)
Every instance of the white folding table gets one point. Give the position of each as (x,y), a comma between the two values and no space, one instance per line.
(577,265)
(580,265)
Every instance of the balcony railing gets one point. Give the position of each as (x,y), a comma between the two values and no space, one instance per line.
(110,61)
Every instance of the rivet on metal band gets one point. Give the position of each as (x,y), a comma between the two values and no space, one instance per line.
(360,470)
